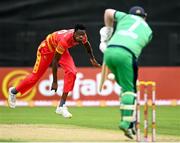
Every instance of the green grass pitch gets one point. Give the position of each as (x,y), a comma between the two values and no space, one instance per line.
(167,118)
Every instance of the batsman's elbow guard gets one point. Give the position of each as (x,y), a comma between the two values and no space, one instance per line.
(105,33)
(103,46)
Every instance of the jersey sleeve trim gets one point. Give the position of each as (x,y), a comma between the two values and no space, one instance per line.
(60,49)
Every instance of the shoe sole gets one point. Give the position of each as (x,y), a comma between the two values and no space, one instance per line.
(10,105)
(127,134)
(62,115)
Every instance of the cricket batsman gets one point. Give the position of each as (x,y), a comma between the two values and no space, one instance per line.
(121,47)
(54,49)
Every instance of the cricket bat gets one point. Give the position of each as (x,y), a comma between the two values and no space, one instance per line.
(104,74)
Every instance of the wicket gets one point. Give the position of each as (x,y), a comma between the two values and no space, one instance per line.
(147,89)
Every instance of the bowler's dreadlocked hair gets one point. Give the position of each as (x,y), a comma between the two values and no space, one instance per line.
(79,27)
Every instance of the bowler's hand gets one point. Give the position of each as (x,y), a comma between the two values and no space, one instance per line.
(94,62)
(54,86)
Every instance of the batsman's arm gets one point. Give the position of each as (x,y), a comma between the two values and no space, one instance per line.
(106,31)
(109,17)
(55,61)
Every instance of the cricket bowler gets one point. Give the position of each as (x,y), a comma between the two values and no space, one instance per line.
(54,49)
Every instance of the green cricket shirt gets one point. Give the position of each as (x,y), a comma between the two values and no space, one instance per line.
(131,32)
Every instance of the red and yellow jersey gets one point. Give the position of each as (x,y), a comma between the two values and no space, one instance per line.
(61,40)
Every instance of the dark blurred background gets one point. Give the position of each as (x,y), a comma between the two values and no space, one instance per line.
(25,23)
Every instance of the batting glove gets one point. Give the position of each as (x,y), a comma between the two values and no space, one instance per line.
(105,33)
(103,46)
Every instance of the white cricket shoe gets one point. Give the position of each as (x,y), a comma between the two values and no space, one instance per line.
(11,98)
(63,111)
